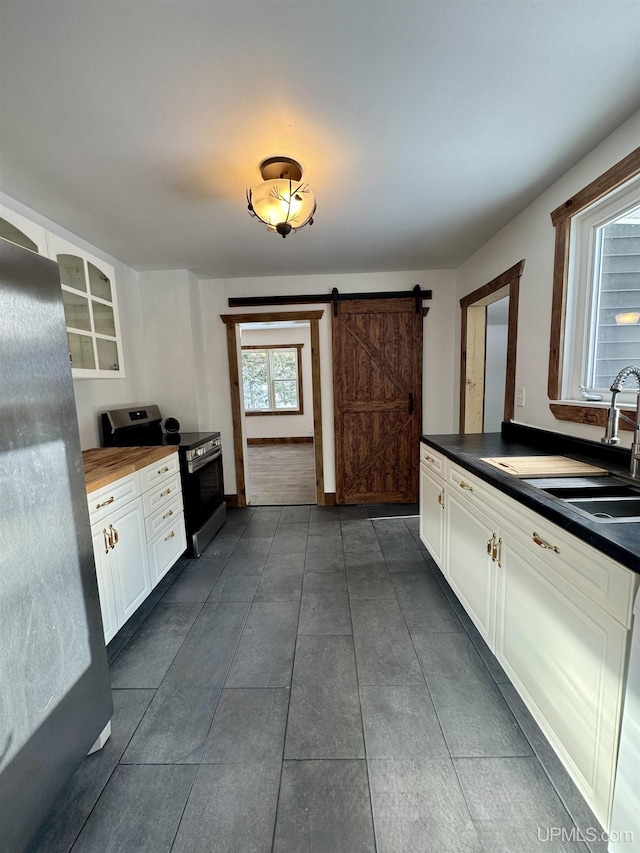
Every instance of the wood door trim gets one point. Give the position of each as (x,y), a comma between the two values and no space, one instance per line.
(231,321)
(507,283)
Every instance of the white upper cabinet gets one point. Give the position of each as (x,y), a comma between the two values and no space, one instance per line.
(20,230)
(91,311)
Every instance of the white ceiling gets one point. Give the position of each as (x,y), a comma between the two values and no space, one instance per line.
(423,126)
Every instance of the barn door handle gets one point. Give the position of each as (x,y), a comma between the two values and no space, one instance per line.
(410,404)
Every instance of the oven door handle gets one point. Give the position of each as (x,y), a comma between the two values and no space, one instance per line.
(201,461)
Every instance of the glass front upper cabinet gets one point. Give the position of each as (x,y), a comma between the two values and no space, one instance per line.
(91,312)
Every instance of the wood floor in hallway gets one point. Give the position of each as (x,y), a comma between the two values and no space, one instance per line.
(281,474)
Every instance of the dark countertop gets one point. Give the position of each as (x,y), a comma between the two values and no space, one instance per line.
(620,540)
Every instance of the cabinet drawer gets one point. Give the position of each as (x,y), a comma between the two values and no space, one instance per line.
(163,516)
(432,459)
(159,471)
(161,494)
(599,578)
(167,546)
(109,498)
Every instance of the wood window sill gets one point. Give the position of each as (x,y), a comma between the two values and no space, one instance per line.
(592,414)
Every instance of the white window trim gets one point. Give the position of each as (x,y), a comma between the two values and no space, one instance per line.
(581,291)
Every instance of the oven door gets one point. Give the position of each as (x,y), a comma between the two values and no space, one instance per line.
(203,488)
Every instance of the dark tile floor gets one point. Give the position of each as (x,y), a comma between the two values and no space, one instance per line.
(311,685)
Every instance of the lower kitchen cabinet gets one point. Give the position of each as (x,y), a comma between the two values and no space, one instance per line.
(471,558)
(432,514)
(122,564)
(556,613)
(566,657)
(138,533)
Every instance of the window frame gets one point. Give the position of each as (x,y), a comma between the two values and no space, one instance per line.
(299,410)
(563,218)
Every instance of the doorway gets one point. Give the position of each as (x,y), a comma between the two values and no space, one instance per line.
(488,353)
(310,400)
(278,414)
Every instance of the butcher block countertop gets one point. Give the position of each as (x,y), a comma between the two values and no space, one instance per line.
(104,465)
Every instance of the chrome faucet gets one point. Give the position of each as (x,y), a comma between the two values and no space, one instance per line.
(614,414)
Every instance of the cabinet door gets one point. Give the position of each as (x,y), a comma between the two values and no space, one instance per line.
(102,555)
(432,514)
(18,229)
(91,311)
(565,657)
(470,567)
(130,562)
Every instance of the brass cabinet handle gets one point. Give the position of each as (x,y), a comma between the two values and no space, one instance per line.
(165,493)
(490,545)
(170,536)
(441,498)
(114,536)
(543,544)
(107,540)
(167,514)
(496,556)
(163,470)
(105,503)
(429,458)
(464,485)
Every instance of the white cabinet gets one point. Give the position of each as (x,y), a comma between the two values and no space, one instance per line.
(122,563)
(91,311)
(556,613)
(471,559)
(565,656)
(138,532)
(20,230)
(432,504)
(106,592)
(164,516)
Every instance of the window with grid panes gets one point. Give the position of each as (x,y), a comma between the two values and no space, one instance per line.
(271,380)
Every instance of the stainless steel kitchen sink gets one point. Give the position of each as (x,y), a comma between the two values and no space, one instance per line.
(605,499)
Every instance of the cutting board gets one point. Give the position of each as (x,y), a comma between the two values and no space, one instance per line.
(543,466)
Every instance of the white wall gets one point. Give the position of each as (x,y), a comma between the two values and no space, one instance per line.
(531,236)
(94,396)
(282,425)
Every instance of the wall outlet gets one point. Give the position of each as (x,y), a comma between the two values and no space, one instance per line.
(520,398)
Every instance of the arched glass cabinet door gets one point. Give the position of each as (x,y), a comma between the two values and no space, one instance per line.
(91,314)
(18,229)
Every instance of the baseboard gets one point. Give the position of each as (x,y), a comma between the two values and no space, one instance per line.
(292,439)
(329,498)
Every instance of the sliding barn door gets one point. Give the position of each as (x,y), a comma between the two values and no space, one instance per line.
(377,382)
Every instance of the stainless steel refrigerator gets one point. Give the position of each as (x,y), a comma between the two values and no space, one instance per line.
(55,694)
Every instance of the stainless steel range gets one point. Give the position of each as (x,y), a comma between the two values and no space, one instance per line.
(201,472)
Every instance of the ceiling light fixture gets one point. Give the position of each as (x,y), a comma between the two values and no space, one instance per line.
(282,201)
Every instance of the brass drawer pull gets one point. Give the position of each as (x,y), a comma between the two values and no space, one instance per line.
(541,542)
(490,545)
(105,503)
(113,536)
(441,498)
(167,514)
(163,470)
(496,556)
(170,536)
(429,458)
(465,486)
(107,540)
(165,493)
